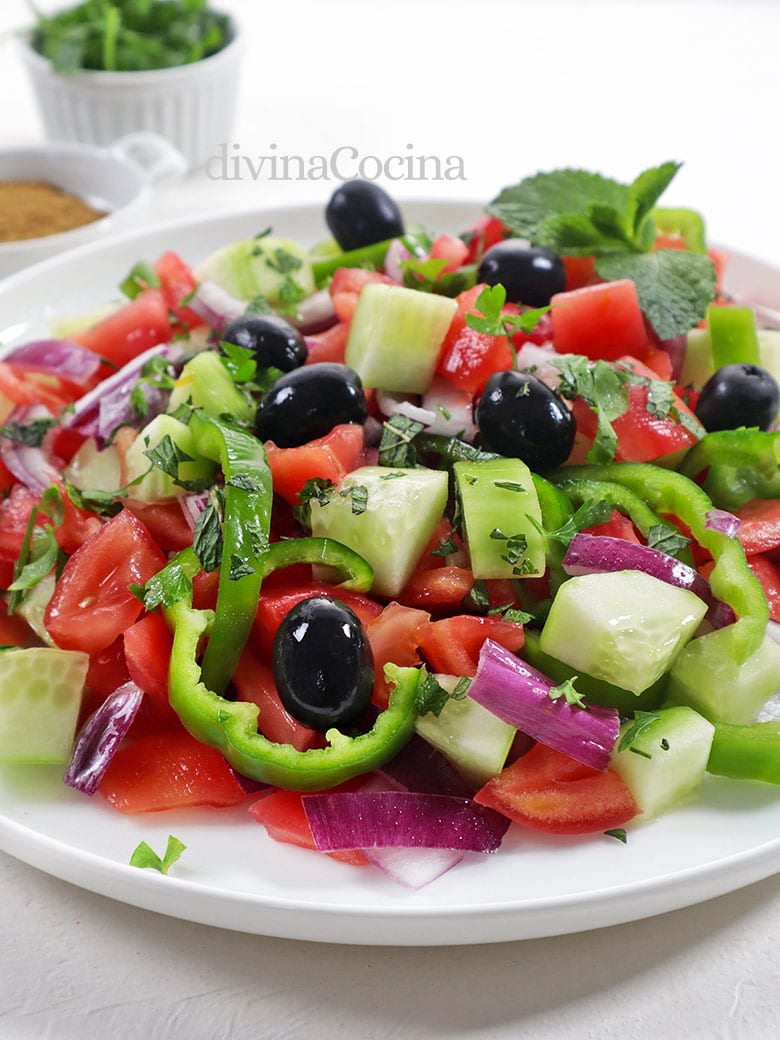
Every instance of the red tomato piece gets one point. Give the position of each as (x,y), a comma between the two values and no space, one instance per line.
(468,358)
(453,250)
(602,321)
(14,630)
(329,457)
(618,526)
(452,645)
(759,529)
(580,271)
(283,816)
(178,282)
(483,234)
(437,588)
(92,603)
(254,682)
(548,791)
(277,600)
(330,345)
(169,770)
(140,324)
(165,522)
(147,646)
(15,514)
(393,636)
(22,386)
(347,284)
(768,573)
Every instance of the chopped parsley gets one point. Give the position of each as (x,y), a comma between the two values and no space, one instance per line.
(145,856)
(569,692)
(642,719)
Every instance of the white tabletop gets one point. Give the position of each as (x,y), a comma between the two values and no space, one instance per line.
(510,88)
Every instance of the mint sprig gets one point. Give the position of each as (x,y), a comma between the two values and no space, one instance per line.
(577,213)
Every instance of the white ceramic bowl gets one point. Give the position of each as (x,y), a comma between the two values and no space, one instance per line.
(115,180)
(192,105)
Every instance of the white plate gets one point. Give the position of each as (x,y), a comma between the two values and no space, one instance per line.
(232,875)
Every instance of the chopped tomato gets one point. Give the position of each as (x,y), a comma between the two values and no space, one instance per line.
(165,522)
(276,601)
(618,526)
(330,345)
(92,602)
(580,271)
(452,645)
(329,458)
(453,250)
(254,682)
(77,526)
(23,386)
(759,528)
(347,284)
(483,234)
(178,282)
(768,573)
(169,770)
(548,791)
(468,358)
(147,646)
(602,321)
(438,588)
(139,325)
(393,636)
(14,630)
(283,816)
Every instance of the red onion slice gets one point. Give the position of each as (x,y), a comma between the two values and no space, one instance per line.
(722,521)
(316,313)
(30,466)
(392,819)
(396,254)
(58,357)
(215,305)
(520,695)
(414,868)
(101,736)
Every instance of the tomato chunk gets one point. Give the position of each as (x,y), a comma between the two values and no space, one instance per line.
(169,770)
(329,458)
(452,645)
(283,816)
(254,681)
(393,636)
(548,791)
(148,645)
(468,358)
(128,332)
(601,321)
(92,603)
(347,284)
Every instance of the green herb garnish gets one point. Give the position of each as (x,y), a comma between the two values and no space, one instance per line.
(145,856)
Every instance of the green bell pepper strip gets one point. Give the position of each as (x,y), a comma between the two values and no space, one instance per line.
(231,726)
(733,335)
(672,494)
(247,516)
(734,466)
(372,256)
(357,574)
(686,223)
(746,752)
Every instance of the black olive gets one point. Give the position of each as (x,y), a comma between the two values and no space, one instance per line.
(309,402)
(322,663)
(360,213)
(274,342)
(738,395)
(530,274)
(521,417)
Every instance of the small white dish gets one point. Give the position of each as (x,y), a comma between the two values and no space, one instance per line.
(116,180)
(193,106)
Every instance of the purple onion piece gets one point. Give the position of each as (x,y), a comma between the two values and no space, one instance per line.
(101,736)
(392,819)
(86,410)
(114,409)
(30,466)
(722,521)
(58,357)
(215,305)
(316,313)
(423,768)
(520,695)
(414,868)
(396,254)
(192,505)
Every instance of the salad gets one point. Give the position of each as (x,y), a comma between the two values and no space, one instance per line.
(404,539)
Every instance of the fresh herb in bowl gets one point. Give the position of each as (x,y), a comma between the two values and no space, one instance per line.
(130,35)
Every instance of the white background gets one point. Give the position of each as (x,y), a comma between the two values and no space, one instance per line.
(511,88)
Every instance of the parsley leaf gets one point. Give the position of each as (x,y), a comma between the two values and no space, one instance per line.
(569,692)
(667,538)
(164,588)
(207,538)
(431,696)
(642,719)
(619,833)
(145,856)
(31,433)
(396,447)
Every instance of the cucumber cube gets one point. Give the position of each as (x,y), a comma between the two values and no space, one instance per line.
(474,739)
(205,383)
(40,697)
(707,677)
(500,513)
(667,760)
(259,267)
(624,626)
(157,484)
(396,336)
(386,515)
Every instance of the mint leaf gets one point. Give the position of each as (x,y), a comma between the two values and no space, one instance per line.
(645,191)
(674,286)
(207,538)
(667,539)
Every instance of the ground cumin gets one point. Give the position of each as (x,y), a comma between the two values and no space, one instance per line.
(32,209)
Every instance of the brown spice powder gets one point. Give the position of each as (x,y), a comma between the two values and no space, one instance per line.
(33,209)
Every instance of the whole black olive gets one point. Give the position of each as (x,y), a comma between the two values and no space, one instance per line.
(274,342)
(738,395)
(521,417)
(360,213)
(308,402)
(322,663)
(530,274)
